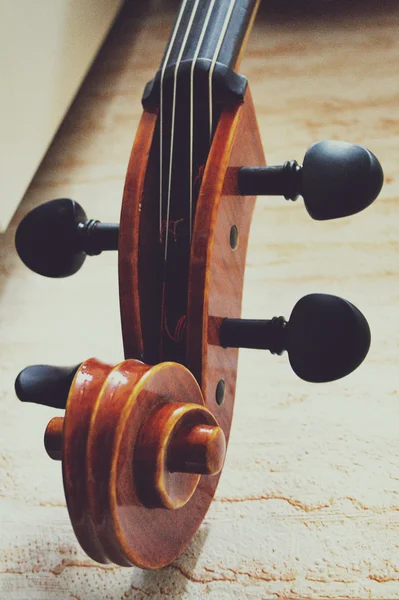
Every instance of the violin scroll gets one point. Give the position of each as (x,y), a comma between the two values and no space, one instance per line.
(134,438)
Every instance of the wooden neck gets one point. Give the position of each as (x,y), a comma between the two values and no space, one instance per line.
(210,29)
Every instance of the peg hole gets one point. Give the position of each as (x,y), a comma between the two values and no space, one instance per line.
(234,237)
(220,392)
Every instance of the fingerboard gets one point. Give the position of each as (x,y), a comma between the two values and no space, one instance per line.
(216,31)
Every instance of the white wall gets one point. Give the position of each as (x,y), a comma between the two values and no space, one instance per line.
(46,48)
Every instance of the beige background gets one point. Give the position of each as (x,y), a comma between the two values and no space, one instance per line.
(46,49)
(308,503)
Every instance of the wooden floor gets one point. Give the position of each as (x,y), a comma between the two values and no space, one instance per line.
(308,505)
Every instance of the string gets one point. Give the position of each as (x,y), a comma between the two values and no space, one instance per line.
(172,41)
(181,323)
(163,319)
(172,137)
(215,57)
(196,54)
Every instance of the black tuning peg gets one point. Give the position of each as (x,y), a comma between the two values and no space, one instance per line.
(337,179)
(55,237)
(326,337)
(43,384)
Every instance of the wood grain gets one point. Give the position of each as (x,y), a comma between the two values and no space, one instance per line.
(308,501)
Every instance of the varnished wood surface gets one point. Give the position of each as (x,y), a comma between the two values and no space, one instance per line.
(308,500)
(128,485)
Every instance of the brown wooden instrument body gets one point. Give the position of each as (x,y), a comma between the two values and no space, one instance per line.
(215,292)
(132,495)
(143,447)
(216,269)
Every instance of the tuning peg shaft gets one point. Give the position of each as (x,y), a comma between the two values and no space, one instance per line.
(326,337)
(337,179)
(44,384)
(53,438)
(55,238)
(198,449)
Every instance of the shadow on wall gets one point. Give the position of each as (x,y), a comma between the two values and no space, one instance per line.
(104,75)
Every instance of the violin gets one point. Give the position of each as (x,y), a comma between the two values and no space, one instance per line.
(142,443)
